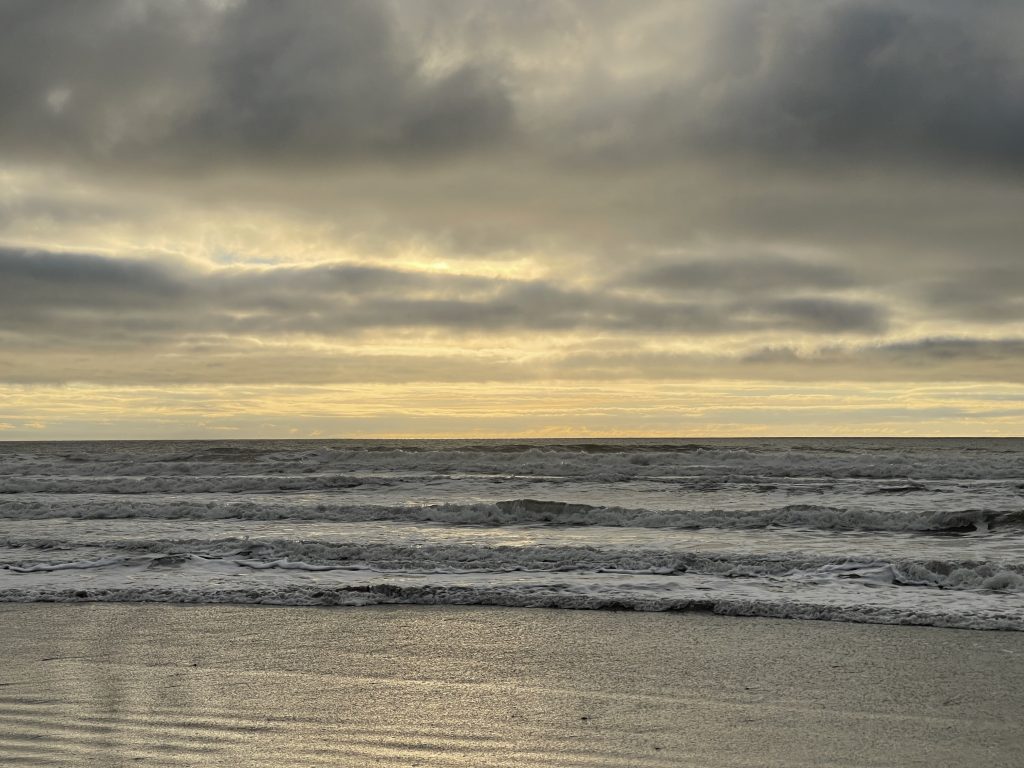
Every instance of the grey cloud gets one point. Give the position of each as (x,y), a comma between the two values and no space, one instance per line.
(893,79)
(338,77)
(940,350)
(924,360)
(881,138)
(966,359)
(78,79)
(82,317)
(829,314)
(982,293)
(837,81)
(236,363)
(83,295)
(192,84)
(227,361)
(744,145)
(745,275)
(36,281)
(785,293)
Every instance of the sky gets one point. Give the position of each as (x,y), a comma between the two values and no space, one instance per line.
(487,218)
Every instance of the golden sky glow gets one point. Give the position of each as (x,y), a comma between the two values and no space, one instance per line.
(458,218)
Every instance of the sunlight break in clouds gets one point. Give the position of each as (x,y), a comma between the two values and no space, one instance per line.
(490,218)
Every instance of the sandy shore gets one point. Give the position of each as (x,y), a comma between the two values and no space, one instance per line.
(113,685)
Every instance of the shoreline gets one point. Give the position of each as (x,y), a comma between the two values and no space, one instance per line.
(708,607)
(172,684)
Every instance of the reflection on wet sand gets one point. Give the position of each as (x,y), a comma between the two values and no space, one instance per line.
(113,685)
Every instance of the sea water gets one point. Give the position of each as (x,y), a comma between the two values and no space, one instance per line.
(862,530)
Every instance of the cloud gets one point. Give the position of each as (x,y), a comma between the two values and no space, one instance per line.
(380,191)
(942,350)
(923,360)
(744,275)
(193,84)
(188,84)
(926,359)
(246,362)
(837,82)
(894,80)
(89,296)
(982,293)
(84,317)
(338,79)
(485,128)
(33,280)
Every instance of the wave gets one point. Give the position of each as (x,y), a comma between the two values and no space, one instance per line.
(290,554)
(744,527)
(137,485)
(595,461)
(542,596)
(523,512)
(815,516)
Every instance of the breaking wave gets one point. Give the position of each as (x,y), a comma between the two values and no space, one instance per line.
(523,512)
(543,596)
(288,554)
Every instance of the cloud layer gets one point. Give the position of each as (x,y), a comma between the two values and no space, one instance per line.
(83,296)
(234,193)
(190,81)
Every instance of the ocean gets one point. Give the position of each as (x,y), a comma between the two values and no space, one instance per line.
(892,531)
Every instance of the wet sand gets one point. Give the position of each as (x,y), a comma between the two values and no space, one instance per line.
(148,685)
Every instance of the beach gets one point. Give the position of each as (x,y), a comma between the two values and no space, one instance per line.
(89,684)
(562,384)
